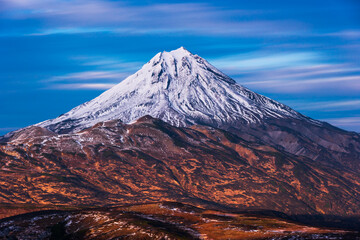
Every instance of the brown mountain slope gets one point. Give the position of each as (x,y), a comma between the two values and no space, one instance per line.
(149,160)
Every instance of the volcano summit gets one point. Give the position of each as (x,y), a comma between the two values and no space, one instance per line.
(181,130)
(179,88)
(183,89)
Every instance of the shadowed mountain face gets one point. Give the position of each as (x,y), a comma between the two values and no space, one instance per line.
(326,143)
(150,160)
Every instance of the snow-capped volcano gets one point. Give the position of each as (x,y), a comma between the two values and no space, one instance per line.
(179,88)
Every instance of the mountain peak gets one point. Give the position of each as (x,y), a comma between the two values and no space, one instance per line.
(180,88)
(172,58)
(181,65)
(180,50)
(175,54)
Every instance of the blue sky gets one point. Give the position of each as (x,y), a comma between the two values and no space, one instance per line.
(57,54)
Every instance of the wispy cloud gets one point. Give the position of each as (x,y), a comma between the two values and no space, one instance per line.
(290,72)
(108,63)
(307,82)
(83,16)
(89,75)
(86,80)
(346,122)
(328,106)
(347,34)
(77,11)
(8,129)
(44,32)
(313,70)
(246,62)
(106,73)
(77,86)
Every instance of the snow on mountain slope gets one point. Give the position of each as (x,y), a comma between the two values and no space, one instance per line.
(179,88)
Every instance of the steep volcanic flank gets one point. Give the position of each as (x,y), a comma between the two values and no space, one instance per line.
(180,88)
(180,130)
(184,89)
(150,160)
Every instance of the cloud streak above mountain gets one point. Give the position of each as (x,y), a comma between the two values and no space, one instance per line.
(80,16)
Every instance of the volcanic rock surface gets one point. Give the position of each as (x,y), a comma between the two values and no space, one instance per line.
(150,160)
(184,89)
(181,130)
